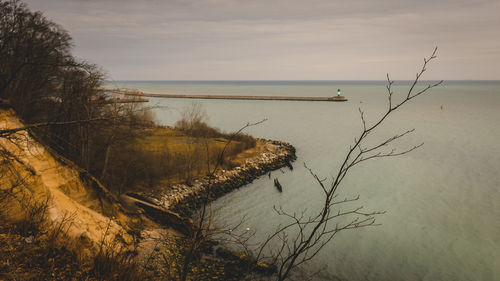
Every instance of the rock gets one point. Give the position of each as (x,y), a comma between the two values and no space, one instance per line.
(186,200)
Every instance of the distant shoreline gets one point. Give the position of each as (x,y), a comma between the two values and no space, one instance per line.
(295,81)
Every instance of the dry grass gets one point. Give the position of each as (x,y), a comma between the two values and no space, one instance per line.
(161,155)
(35,244)
(32,247)
(184,157)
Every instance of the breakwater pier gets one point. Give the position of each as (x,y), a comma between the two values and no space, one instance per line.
(227,97)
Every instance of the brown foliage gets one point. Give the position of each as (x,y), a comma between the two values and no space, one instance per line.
(153,157)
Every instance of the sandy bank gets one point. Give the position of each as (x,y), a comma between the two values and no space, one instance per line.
(70,190)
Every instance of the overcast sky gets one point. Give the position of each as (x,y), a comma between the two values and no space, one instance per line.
(282,40)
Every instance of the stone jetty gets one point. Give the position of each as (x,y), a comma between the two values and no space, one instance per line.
(226,97)
(183,199)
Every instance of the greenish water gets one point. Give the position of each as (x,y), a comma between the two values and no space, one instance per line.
(442,200)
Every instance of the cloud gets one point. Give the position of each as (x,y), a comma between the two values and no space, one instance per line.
(295,39)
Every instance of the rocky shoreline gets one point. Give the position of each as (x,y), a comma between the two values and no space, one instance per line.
(175,206)
(184,199)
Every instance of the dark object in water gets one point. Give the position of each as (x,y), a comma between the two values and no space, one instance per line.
(289,165)
(278,185)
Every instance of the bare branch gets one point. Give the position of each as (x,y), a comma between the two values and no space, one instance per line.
(7,132)
(313,233)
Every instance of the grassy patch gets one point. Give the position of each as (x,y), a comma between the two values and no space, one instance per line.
(183,157)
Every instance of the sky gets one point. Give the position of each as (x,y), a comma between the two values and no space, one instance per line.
(282,40)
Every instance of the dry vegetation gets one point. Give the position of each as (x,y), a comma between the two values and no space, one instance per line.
(45,84)
(38,244)
(62,106)
(60,100)
(178,157)
(145,156)
(40,240)
(33,247)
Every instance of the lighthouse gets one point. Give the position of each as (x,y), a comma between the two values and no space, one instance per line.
(338,92)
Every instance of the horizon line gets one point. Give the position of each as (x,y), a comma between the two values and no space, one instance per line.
(289,80)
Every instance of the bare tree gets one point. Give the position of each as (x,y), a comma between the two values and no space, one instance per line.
(204,228)
(299,241)
(304,237)
(37,72)
(34,52)
(192,117)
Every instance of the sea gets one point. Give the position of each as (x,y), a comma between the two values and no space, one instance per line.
(441,201)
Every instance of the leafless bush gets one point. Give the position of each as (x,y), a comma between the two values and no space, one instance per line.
(193,122)
(113,261)
(34,221)
(304,237)
(204,228)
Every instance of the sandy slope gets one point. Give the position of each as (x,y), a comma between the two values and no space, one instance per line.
(93,209)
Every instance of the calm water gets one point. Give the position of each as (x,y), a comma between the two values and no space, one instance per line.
(442,200)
